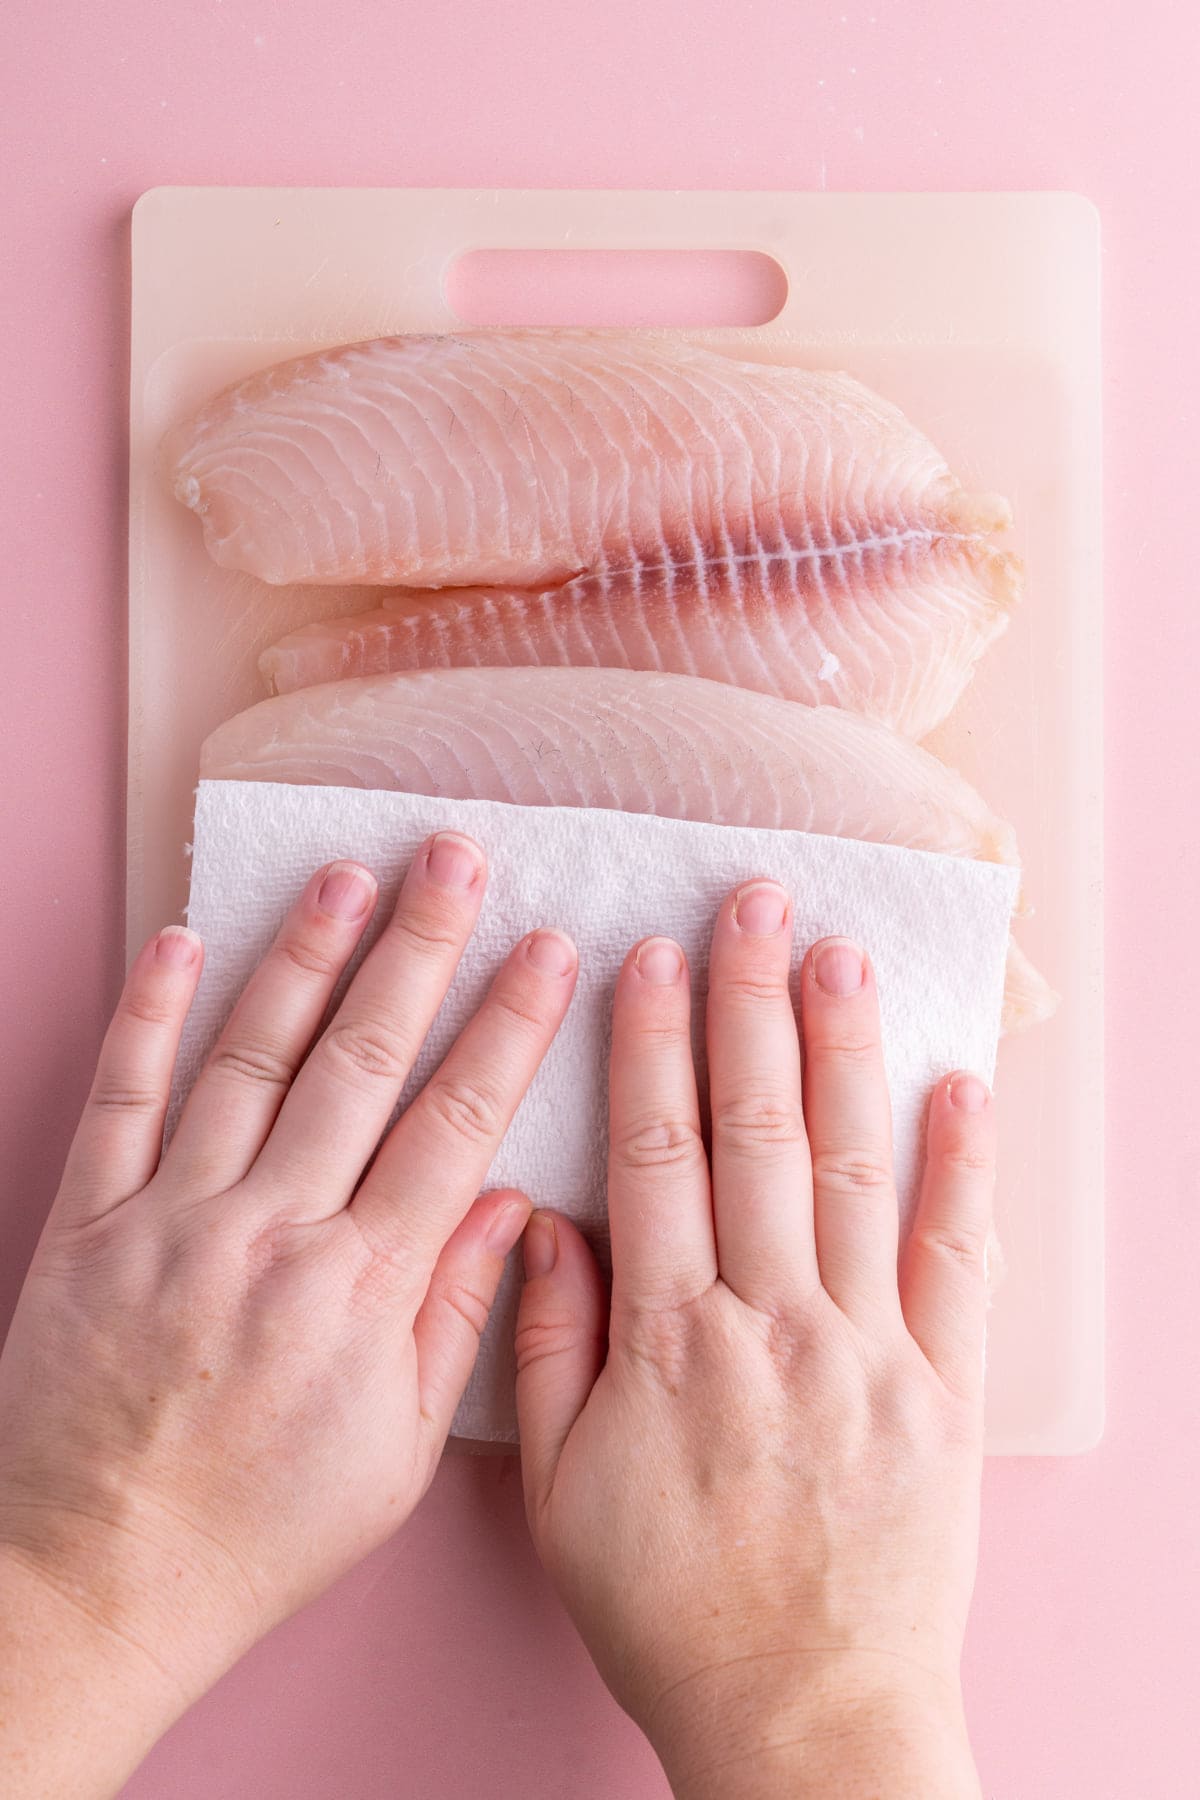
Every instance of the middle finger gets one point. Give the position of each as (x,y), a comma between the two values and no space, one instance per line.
(434,1161)
(659,1204)
(761,1176)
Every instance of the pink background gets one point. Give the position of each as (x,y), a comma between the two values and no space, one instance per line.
(444,1666)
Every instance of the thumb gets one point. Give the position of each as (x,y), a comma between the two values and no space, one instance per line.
(562,1340)
(448,1327)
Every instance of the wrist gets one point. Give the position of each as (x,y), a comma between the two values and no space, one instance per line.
(150,1601)
(804,1725)
(81,1701)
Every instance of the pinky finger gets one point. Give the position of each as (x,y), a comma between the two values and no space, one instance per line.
(119,1140)
(943,1272)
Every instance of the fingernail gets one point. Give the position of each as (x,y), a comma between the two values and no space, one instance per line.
(760,910)
(968,1093)
(346,892)
(176,946)
(541,1244)
(839,967)
(551,952)
(659,961)
(507,1227)
(453,861)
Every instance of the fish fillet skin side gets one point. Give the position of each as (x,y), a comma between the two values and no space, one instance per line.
(669,744)
(684,498)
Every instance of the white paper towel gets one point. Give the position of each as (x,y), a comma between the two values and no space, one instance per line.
(936,928)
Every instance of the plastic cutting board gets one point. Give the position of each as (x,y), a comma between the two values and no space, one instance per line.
(977,314)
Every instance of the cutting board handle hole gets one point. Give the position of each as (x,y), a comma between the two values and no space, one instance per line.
(685,288)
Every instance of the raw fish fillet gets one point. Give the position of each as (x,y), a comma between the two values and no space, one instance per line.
(1028,997)
(779,528)
(667,744)
(771,646)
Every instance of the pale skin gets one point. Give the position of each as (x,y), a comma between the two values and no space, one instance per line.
(753,1477)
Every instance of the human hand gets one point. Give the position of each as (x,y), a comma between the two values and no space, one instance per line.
(231,1372)
(761,1507)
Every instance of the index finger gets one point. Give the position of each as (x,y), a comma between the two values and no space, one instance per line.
(436,1158)
(340,1102)
(849,1115)
(943,1273)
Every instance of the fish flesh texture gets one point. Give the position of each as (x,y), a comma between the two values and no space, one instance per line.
(669,744)
(607,499)
(674,745)
(778,645)
(1028,997)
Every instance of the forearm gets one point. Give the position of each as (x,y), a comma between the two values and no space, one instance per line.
(827,1739)
(81,1703)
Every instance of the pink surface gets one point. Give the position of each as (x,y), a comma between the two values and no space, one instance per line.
(444,1667)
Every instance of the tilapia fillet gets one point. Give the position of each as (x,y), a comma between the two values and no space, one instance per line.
(667,744)
(770,644)
(608,499)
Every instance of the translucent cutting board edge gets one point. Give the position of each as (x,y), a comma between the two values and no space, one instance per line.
(979,317)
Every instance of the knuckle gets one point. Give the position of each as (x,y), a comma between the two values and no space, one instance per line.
(465,1108)
(143,1008)
(516,1007)
(867,1174)
(426,934)
(544,1335)
(657,1032)
(658,1144)
(967,1158)
(851,1052)
(306,957)
(754,1122)
(116,1097)
(367,1049)
(907,1408)
(660,1326)
(753,985)
(956,1244)
(800,1335)
(252,1062)
(666,1336)
(460,1298)
(277,1241)
(386,1269)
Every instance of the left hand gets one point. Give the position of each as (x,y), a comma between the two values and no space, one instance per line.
(232,1370)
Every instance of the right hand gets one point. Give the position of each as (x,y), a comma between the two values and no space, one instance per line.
(755,1480)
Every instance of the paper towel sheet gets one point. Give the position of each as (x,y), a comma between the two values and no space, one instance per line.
(936,928)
